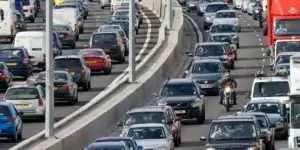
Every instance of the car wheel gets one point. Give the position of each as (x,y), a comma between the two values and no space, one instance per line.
(85,87)
(89,84)
(71,101)
(73,45)
(176,142)
(136,31)
(85,17)
(81,30)
(76,98)
(238,45)
(102,7)
(20,135)
(14,138)
(32,20)
(107,70)
(232,65)
(235,56)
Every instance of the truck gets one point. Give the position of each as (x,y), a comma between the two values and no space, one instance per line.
(294,102)
(283,20)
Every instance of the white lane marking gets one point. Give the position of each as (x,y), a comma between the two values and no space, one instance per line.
(261,43)
(138,57)
(196,26)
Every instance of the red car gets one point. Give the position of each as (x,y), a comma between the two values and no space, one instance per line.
(97,60)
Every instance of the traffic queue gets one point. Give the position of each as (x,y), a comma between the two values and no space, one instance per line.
(72,73)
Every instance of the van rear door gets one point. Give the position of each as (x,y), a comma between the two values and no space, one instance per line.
(5,24)
(37,48)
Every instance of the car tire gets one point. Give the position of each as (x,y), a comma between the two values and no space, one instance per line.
(176,142)
(71,101)
(77,37)
(136,31)
(76,97)
(14,138)
(102,7)
(73,46)
(232,66)
(107,70)
(85,87)
(89,85)
(85,17)
(32,20)
(20,136)
(238,45)
(81,30)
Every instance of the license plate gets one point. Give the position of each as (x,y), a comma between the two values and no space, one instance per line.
(180,112)
(106,50)
(72,73)
(22,106)
(90,62)
(61,36)
(206,86)
(11,64)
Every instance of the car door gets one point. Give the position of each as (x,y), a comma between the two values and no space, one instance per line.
(15,114)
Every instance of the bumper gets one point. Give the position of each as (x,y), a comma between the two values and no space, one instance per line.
(207,88)
(207,23)
(7,130)
(192,7)
(188,113)
(281,130)
(33,113)
(66,42)
(39,64)
(79,80)
(3,83)
(114,53)
(62,96)
(98,66)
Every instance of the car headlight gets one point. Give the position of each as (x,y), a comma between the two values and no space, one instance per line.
(207,18)
(210,149)
(252,148)
(196,103)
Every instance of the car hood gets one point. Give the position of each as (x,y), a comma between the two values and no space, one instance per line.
(201,77)
(210,15)
(178,99)
(152,143)
(226,20)
(273,117)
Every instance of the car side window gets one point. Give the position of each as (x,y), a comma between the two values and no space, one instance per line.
(13,110)
(42,92)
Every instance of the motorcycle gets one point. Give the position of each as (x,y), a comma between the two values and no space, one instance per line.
(228,100)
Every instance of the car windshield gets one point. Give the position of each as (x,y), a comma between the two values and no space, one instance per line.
(221,38)
(124,25)
(2,66)
(271,89)
(67,63)
(282,59)
(230,131)
(206,68)
(295,113)
(283,67)
(107,148)
(287,46)
(184,89)
(268,108)
(121,13)
(286,27)
(21,94)
(57,76)
(129,143)
(262,121)
(10,53)
(91,53)
(61,28)
(210,50)
(193,0)
(147,133)
(223,28)
(226,15)
(104,38)
(4,111)
(143,117)
(216,7)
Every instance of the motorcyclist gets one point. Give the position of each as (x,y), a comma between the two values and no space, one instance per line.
(225,81)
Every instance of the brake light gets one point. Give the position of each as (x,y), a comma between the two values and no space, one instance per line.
(3,99)
(25,61)
(10,119)
(82,69)
(40,102)
(100,60)
(2,75)
(69,35)
(65,86)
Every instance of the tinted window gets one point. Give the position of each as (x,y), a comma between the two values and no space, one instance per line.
(4,111)
(2,66)
(21,93)
(262,121)
(215,8)
(11,53)
(25,2)
(57,76)
(147,133)
(66,6)
(121,13)
(67,63)
(61,28)
(210,50)
(19,17)
(185,89)
(283,59)
(288,46)
(91,53)
(226,15)
(104,38)
(223,28)
(204,68)
(271,89)
(143,117)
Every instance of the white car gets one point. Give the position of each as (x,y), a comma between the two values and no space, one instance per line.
(245,5)
(227,17)
(237,4)
(151,136)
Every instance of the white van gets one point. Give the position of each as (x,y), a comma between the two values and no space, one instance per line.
(34,42)
(8,20)
(117,3)
(69,16)
(29,10)
(265,5)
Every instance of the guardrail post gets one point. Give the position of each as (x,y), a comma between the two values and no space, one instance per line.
(169,14)
(131,57)
(49,120)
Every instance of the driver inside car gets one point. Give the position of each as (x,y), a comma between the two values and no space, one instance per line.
(220,133)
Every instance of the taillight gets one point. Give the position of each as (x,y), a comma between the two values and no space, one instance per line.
(82,69)
(69,35)
(2,75)
(25,61)
(40,102)
(65,86)
(3,99)
(10,119)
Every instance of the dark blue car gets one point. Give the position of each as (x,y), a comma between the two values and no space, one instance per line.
(128,140)
(17,61)
(11,125)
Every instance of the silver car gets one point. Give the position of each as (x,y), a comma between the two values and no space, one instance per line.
(251,5)
(245,5)
(29,99)
(104,3)
(211,11)
(191,5)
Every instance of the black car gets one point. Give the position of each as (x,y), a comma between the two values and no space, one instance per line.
(111,43)
(66,35)
(234,132)
(76,66)
(185,97)
(65,89)
(266,128)
(123,23)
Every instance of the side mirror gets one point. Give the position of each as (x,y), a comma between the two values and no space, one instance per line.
(187,72)
(30,57)
(202,138)
(170,122)
(20,113)
(155,94)
(272,125)
(85,46)
(178,119)
(170,138)
(120,124)
(283,110)
(248,95)
(140,147)
(268,52)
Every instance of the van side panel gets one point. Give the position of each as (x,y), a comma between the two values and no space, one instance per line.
(7,26)
(65,16)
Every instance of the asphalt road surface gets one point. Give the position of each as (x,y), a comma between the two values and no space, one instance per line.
(145,41)
(250,59)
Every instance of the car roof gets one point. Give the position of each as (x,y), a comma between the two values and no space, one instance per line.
(219,34)
(114,138)
(206,60)
(147,109)
(252,114)
(266,100)
(232,118)
(147,125)
(31,33)
(91,49)
(270,79)
(117,143)
(179,80)
(216,3)
(210,43)
(67,56)
(105,32)
(5,104)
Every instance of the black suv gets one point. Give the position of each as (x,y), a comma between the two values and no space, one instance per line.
(76,66)
(234,133)
(185,97)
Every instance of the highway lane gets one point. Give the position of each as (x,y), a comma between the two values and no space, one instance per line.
(146,40)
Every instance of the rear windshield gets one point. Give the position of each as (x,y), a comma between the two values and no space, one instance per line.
(57,76)
(66,6)
(11,53)
(124,25)
(25,2)
(67,63)
(106,148)
(4,111)
(92,53)
(61,28)
(22,93)
(104,38)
